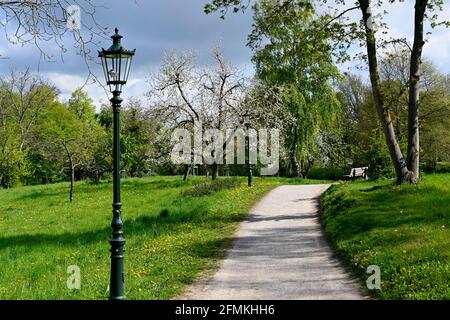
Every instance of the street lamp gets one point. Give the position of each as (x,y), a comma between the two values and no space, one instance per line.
(116,63)
(247,123)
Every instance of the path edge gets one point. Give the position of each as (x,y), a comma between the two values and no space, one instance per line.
(365,293)
(207,274)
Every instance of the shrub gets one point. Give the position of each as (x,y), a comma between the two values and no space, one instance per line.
(11,169)
(326,173)
(204,189)
(378,160)
(443,167)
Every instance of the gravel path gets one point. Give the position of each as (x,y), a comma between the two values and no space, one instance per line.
(280,253)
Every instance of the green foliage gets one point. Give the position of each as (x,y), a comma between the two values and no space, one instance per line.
(138,136)
(24,98)
(366,145)
(327,173)
(82,105)
(41,170)
(291,52)
(438,167)
(11,169)
(435,117)
(71,138)
(401,229)
(61,134)
(203,189)
(376,157)
(105,117)
(223,5)
(287,34)
(11,160)
(443,167)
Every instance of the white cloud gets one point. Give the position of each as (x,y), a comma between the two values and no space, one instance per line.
(68,83)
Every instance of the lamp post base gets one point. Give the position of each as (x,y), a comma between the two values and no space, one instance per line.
(117,281)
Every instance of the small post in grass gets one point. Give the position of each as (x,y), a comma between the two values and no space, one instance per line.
(247,124)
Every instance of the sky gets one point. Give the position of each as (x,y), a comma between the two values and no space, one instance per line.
(157,26)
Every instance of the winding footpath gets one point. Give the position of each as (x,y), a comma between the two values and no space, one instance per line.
(280,252)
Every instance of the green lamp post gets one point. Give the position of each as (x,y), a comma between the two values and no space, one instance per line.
(116,62)
(247,123)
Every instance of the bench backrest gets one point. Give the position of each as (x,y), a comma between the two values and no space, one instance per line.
(359,172)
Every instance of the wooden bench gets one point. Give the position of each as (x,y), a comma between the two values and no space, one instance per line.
(357,173)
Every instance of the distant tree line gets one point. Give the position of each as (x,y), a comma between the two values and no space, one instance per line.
(327,123)
(44,140)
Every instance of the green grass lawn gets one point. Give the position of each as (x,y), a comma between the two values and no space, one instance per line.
(405,230)
(42,234)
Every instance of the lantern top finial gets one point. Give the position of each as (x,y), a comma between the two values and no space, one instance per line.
(116,47)
(116,38)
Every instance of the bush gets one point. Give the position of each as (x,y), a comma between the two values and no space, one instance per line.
(9,176)
(40,170)
(435,167)
(378,160)
(443,167)
(204,189)
(11,169)
(326,173)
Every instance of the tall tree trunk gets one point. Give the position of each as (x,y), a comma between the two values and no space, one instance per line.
(413,106)
(309,165)
(187,172)
(72,181)
(215,171)
(97,176)
(384,115)
(295,165)
(293,153)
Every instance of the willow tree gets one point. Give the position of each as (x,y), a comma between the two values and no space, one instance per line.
(366,29)
(290,52)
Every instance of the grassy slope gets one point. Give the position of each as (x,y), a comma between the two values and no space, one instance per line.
(42,234)
(405,230)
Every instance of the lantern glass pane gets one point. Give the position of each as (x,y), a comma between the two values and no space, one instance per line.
(113,72)
(105,69)
(118,68)
(128,67)
(124,68)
